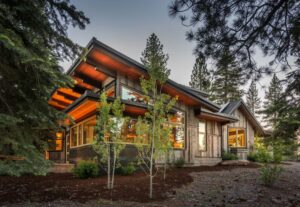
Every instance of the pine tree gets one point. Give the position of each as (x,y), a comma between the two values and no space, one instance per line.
(245,26)
(288,114)
(200,78)
(252,99)
(159,104)
(227,80)
(273,100)
(33,39)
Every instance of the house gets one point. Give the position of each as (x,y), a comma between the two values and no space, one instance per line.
(200,128)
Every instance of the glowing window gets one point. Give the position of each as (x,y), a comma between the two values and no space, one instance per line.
(177,122)
(89,131)
(236,137)
(74,136)
(83,133)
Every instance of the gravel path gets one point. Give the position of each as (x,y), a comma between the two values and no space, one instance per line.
(236,187)
(241,187)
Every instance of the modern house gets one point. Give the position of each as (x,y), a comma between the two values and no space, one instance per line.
(201,129)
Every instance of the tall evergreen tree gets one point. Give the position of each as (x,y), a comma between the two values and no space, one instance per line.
(273,100)
(252,100)
(33,39)
(288,111)
(227,80)
(200,78)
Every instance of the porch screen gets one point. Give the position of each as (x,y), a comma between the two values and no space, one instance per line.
(236,137)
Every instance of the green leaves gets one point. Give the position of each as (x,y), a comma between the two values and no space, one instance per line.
(33,38)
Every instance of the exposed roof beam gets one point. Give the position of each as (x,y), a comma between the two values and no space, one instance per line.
(100,68)
(61,102)
(81,83)
(68,92)
(88,80)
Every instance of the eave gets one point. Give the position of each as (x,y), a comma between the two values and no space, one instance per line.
(214,116)
(103,55)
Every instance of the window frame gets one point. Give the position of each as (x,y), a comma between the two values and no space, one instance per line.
(63,140)
(236,129)
(185,129)
(131,89)
(205,135)
(77,126)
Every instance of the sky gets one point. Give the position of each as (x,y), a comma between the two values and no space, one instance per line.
(126,25)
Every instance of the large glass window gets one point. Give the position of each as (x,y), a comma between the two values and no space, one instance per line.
(55,142)
(177,122)
(129,130)
(131,95)
(89,131)
(83,133)
(236,137)
(74,136)
(202,136)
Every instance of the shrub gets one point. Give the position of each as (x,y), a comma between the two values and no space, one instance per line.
(127,169)
(229,156)
(179,162)
(252,156)
(86,169)
(261,155)
(269,174)
(277,157)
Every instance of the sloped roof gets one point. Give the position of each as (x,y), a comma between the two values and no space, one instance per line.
(230,107)
(196,94)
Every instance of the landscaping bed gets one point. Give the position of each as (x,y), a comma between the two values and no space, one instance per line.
(127,188)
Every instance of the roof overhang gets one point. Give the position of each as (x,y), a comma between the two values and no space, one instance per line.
(105,58)
(88,104)
(214,116)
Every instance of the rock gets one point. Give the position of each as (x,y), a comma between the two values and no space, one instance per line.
(275,200)
(235,162)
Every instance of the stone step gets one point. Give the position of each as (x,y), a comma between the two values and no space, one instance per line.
(207,161)
(61,168)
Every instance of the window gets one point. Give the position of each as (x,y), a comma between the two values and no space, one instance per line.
(236,137)
(74,133)
(131,95)
(55,142)
(89,131)
(202,136)
(177,122)
(83,133)
(129,130)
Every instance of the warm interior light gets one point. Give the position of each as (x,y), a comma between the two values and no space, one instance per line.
(59,135)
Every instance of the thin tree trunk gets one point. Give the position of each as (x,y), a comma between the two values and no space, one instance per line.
(165,165)
(114,168)
(108,167)
(152,147)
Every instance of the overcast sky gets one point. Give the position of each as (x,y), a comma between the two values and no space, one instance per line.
(125,26)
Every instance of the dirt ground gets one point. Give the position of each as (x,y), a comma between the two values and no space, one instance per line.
(200,186)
